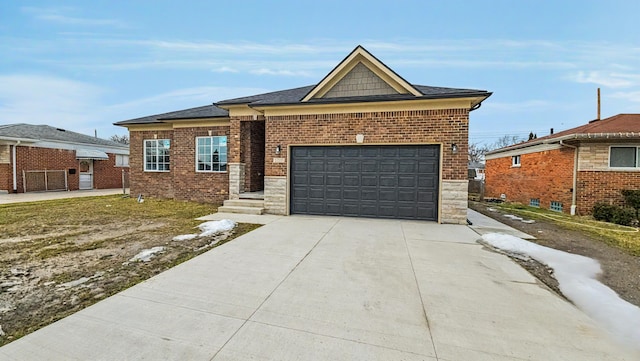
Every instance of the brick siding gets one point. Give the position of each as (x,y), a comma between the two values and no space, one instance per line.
(595,186)
(546,175)
(105,174)
(182,182)
(399,127)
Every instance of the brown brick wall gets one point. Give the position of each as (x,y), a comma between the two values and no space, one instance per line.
(188,184)
(547,175)
(6,180)
(106,175)
(424,126)
(154,184)
(182,182)
(598,186)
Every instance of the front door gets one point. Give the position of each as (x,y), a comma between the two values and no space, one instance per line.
(86,174)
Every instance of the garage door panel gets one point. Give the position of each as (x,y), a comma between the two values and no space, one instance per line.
(351,166)
(388,181)
(369,167)
(316,166)
(334,166)
(351,193)
(407,181)
(395,181)
(369,180)
(316,179)
(367,194)
(351,180)
(333,194)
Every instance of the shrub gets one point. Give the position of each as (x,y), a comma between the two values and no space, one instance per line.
(614,214)
(632,198)
(604,212)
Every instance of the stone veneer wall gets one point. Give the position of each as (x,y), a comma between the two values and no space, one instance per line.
(454,200)
(398,127)
(275,195)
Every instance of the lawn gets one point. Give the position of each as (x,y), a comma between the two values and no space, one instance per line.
(57,257)
(625,238)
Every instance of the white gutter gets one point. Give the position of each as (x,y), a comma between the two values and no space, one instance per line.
(15,167)
(574,190)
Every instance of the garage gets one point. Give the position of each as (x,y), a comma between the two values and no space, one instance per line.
(378,181)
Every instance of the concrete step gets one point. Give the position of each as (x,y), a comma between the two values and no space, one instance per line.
(244,203)
(243,210)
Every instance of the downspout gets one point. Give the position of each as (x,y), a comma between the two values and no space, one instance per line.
(15,167)
(574,190)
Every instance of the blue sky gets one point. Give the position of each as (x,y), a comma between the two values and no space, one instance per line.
(83,65)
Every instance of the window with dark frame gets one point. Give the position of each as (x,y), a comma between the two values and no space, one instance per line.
(515,161)
(624,157)
(157,155)
(211,154)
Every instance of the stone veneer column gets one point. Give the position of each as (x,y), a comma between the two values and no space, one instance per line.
(275,195)
(236,179)
(454,201)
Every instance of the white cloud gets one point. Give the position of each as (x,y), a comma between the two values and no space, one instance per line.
(60,15)
(633,96)
(607,79)
(266,71)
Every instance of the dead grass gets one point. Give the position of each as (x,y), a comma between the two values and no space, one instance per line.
(625,238)
(44,245)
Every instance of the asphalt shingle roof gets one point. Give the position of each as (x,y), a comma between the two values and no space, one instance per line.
(46,132)
(623,125)
(294,96)
(207,111)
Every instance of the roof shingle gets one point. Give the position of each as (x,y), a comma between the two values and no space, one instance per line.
(46,132)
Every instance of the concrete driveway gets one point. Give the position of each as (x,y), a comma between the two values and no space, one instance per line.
(324,288)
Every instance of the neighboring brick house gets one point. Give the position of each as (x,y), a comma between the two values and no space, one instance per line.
(361,142)
(571,170)
(41,158)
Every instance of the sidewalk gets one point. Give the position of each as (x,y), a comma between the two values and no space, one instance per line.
(45,196)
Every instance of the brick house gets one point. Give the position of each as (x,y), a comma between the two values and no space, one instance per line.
(361,142)
(41,158)
(571,170)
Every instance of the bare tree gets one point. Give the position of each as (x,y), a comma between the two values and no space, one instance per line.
(123,139)
(477,152)
(506,141)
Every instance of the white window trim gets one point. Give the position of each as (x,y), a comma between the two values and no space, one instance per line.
(637,166)
(121,165)
(196,157)
(513,161)
(144,156)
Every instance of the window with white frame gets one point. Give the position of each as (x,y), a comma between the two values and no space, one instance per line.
(624,157)
(157,155)
(122,160)
(211,154)
(515,161)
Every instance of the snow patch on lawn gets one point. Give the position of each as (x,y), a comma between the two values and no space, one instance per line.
(214,227)
(146,254)
(207,229)
(185,237)
(516,218)
(576,276)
